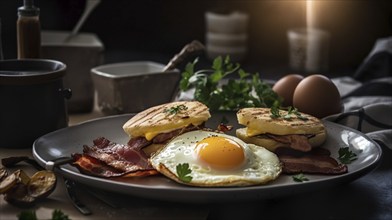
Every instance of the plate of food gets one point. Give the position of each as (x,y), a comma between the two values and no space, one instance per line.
(181,152)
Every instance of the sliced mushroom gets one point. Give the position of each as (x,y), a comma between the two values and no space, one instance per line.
(3,173)
(18,196)
(8,182)
(41,184)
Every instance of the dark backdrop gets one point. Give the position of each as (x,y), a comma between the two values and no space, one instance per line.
(132,28)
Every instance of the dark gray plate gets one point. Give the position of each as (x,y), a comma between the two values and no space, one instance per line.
(69,140)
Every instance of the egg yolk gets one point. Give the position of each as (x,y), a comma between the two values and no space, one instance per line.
(220,153)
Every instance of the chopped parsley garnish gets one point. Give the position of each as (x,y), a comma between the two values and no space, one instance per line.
(175,109)
(346,156)
(245,90)
(275,113)
(184,172)
(300,178)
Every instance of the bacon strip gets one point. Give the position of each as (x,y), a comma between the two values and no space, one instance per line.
(94,167)
(122,157)
(295,141)
(109,159)
(317,161)
(91,166)
(138,142)
(224,128)
(164,137)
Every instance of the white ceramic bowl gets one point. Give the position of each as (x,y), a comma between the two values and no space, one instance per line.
(131,87)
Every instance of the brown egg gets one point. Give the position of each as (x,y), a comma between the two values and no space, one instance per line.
(317,95)
(285,87)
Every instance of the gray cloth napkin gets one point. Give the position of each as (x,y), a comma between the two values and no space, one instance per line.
(367,97)
(375,120)
(371,115)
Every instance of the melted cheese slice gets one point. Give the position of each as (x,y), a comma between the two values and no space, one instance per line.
(149,135)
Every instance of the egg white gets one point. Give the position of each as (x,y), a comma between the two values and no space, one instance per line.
(260,165)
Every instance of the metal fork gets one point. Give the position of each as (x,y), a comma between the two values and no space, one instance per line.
(70,187)
(69,184)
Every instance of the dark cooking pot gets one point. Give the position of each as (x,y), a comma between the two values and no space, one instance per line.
(32,100)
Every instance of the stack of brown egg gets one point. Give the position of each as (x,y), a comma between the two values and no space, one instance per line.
(315,94)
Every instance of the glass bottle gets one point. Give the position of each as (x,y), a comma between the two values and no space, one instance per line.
(28,31)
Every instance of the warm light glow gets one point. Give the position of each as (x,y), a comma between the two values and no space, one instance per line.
(309,14)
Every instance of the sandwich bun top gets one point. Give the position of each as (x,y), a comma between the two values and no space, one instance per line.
(259,121)
(165,118)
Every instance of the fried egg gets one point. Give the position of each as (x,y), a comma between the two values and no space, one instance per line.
(210,159)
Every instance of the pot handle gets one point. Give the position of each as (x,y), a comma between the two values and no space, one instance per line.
(66,92)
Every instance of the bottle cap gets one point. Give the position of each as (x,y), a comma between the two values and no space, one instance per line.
(28,9)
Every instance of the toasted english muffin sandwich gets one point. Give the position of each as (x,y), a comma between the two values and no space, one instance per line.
(273,128)
(152,127)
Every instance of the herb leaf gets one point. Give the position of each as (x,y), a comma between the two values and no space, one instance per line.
(275,112)
(175,109)
(187,74)
(59,215)
(300,178)
(346,156)
(289,116)
(246,90)
(183,172)
(27,215)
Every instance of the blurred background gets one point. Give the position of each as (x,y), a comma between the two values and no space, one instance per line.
(156,30)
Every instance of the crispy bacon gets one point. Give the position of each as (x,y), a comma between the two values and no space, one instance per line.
(317,161)
(141,142)
(164,137)
(92,166)
(109,159)
(295,141)
(119,156)
(224,128)
(138,142)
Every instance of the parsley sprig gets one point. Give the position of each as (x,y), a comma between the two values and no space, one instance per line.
(247,90)
(346,156)
(184,172)
(175,109)
(275,113)
(300,177)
